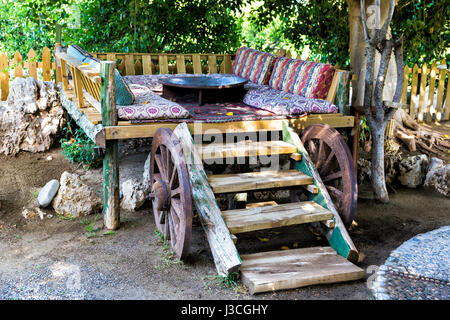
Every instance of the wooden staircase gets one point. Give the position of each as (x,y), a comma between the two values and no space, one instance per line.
(283,269)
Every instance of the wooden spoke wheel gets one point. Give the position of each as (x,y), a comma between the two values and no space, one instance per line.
(171,192)
(332,158)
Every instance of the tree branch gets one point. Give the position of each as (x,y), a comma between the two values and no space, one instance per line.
(364,21)
(379,84)
(387,22)
(398,49)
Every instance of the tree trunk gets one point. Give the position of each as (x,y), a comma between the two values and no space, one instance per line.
(378,173)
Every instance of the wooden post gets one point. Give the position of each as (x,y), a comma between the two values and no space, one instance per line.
(111,201)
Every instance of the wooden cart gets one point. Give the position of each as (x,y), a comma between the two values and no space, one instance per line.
(321,166)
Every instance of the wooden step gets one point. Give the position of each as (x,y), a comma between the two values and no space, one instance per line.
(289,269)
(245,148)
(267,217)
(223,183)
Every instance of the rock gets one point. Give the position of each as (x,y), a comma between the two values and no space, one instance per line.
(47,193)
(74,198)
(412,170)
(31,117)
(439,177)
(134,194)
(49,158)
(364,170)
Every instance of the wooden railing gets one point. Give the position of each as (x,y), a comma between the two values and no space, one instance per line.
(170,63)
(17,66)
(427,91)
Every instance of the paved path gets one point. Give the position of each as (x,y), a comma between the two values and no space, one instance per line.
(418,269)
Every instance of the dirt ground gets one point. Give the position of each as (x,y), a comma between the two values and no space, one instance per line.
(56,258)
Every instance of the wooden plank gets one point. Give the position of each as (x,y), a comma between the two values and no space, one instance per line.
(406,72)
(226,257)
(4,76)
(331,95)
(414,98)
(312,188)
(163,64)
(228,66)
(223,183)
(447,101)
(147,64)
(65,80)
(129,65)
(197,65)
(260,204)
(212,63)
(296,156)
(245,148)
(111,199)
(148,130)
(423,84)
(440,94)
(431,86)
(288,269)
(268,217)
(46,64)
(58,75)
(18,63)
(78,86)
(338,238)
(181,64)
(32,65)
(138,68)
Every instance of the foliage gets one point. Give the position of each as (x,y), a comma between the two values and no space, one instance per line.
(78,147)
(229,281)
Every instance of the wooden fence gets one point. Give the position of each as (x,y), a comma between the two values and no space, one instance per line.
(426,90)
(127,64)
(14,67)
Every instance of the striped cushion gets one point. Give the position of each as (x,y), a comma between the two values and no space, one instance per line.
(306,78)
(253,65)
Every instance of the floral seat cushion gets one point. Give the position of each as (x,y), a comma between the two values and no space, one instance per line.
(149,105)
(284,103)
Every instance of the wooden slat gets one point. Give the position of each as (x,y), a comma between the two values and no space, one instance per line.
(268,217)
(406,72)
(431,86)
(129,65)
(32,69)
(4,76)
(223,183)
(163,64)
(228,66)
(147,64)
(440,93)
(111,57)
(65,80)
(288,269)
(312,188)
(18,69)
(212,63)
(423,84)
(197,65)
(224,251)
(138,68)
(447,101)
(414,98)
(78,86)
(46,64)
(181,64)
(244,149)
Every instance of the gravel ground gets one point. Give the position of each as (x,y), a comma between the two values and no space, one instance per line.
(418,269)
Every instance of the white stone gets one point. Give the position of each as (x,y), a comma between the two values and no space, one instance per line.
(439,178)
(412,170)
(74,198)
(133,195)
(47,193)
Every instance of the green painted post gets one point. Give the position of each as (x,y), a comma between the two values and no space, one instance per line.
(111,201)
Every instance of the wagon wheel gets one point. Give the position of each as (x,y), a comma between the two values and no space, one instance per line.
(332,158)
(171,192)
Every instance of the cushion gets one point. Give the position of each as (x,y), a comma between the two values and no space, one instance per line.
(253,65)
(306,78)
(284,103)
(149,105)
(124,95)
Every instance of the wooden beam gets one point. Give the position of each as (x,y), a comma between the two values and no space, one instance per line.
(224,252)
(338,237)
(111,201)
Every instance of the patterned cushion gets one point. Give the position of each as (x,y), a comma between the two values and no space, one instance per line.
(306,78)
(283,103)
(149,105)
(124,96)
(253,65)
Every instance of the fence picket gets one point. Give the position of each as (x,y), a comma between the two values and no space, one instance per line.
(431,86)
(46,64)
(18,69)
(440,94)
(414,98)
(32,64)
(197,65)
(147,64)
(212,64)
(4,76)
(406,72)
(163,64)
(181,64)
(447,102)
(129,65)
